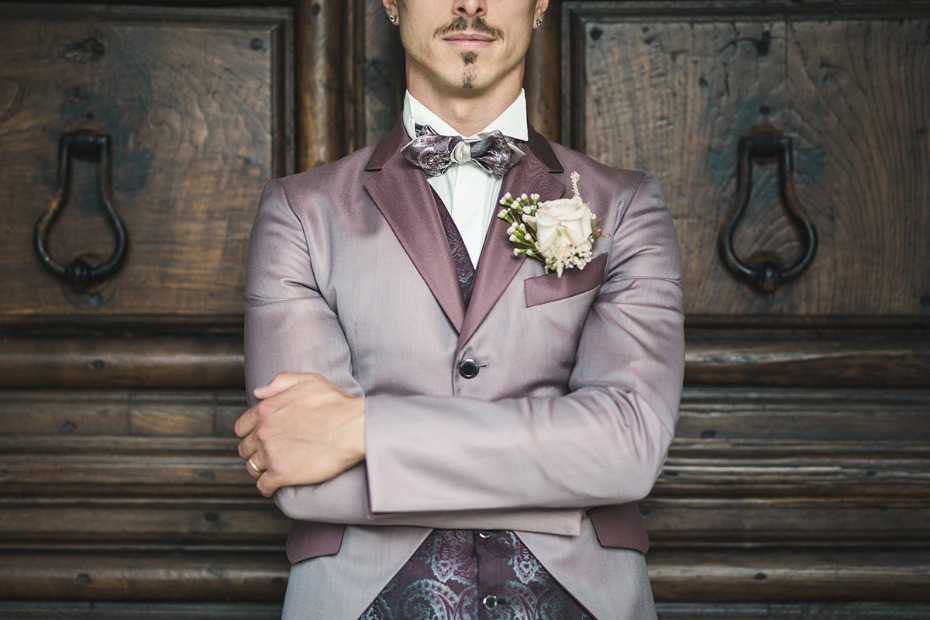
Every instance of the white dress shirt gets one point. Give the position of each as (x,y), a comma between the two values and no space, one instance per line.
(469,193)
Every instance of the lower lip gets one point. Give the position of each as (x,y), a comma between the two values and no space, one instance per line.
(469,44)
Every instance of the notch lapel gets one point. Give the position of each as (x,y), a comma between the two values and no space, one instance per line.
(497,265)
(406,201)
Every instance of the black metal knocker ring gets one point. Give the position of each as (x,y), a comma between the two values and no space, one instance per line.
(85,145)
(767,145)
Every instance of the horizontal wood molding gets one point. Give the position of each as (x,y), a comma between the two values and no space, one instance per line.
(153,576)
(713,576)
(85,522)
(781,610)
(791,574)
(776,610)
(749,466)
(762,357)
(113,362)
(114,610)
(815,521)
(809,358)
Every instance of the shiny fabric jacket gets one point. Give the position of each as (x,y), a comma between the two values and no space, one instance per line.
(568,420)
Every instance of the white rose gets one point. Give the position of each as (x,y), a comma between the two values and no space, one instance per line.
(562,224)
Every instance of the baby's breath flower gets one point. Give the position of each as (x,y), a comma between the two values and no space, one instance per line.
(559,233)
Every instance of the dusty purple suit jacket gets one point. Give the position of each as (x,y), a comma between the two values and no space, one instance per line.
(571,414)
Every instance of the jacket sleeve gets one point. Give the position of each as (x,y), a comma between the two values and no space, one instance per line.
(290,327)
(603,443)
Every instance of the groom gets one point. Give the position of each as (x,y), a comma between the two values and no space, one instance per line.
(459,412)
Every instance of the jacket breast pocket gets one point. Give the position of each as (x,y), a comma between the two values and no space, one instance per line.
(543,289)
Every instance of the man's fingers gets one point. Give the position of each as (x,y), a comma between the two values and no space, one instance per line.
(268,483)
(246,423)
(248,446)
(281,382)
(254,466)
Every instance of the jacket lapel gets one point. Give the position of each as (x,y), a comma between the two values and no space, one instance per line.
(497,265)
(406,201)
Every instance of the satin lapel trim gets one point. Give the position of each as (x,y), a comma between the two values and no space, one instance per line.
(498,265)
(404,198)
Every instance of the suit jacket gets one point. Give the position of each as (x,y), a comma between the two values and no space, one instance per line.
(568,420)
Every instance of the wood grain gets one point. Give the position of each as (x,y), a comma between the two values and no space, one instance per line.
(796,487)
(788,574)
(144,575)
(809,357)
(172,361)
(544,75)
(105,610)
(780,610)
(196,124)
(671,88)
(320,78)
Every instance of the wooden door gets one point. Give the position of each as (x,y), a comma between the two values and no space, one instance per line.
(797,483)
(119,480)
(796,487)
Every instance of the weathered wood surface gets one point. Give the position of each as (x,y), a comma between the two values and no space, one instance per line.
(96,610)
(797,485)
(320,81)
(172,361)
(121,574)
(543,78)
(808,358)
(788,574)
(793,611)
(671,87)
(762,357)
(813,489)
(105,610)
(195,103)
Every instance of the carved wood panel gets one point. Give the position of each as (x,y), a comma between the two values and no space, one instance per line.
(798,474)
(672,87)
(196,114)
(119,479)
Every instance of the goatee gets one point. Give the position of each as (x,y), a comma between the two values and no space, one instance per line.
(469,71)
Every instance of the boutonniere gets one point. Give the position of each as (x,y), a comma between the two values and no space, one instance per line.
(558,233)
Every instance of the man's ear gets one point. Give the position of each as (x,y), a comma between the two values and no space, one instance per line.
(390,6)
(541,7)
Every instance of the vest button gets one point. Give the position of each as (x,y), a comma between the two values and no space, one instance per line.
(490,602)
(468,368)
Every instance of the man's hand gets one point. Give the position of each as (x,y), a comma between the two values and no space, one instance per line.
(304,430)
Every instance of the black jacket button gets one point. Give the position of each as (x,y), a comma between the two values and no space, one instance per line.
(468,369)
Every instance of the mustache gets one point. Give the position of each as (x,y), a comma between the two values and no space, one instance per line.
(476,25)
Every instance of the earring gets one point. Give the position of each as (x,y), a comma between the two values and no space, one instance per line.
(539,22)
(392,19)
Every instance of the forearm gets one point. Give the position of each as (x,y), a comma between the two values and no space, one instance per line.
(604,443)
(344,499)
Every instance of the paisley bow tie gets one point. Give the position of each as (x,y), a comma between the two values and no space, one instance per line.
(434,153)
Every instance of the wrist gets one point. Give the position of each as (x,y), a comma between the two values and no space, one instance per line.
(357,431)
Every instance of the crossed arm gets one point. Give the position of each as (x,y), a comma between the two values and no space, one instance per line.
(602,443)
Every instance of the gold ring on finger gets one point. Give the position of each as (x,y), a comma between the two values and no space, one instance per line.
(258,470)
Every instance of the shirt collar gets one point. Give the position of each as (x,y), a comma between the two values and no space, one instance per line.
(512,121)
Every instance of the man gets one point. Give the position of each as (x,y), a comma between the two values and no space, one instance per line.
(395,389)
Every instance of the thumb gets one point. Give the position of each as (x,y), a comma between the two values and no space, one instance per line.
(282,381)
